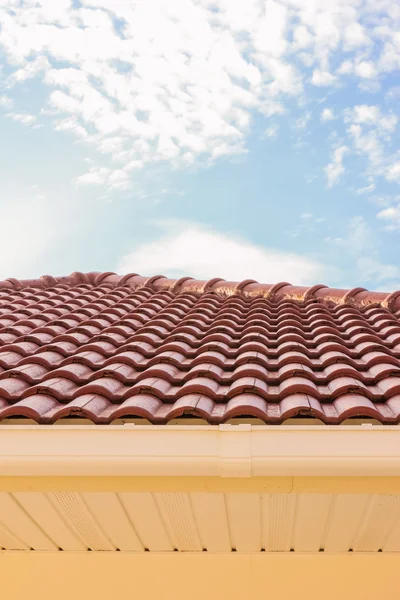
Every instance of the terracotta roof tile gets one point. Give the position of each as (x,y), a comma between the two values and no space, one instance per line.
(104,346)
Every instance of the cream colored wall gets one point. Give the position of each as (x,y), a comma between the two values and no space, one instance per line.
(106,576)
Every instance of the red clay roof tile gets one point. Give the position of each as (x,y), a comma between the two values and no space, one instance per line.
(105,346)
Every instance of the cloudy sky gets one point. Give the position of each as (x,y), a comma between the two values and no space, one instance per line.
(233,138)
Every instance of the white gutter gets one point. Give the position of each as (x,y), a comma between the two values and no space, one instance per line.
(224,451)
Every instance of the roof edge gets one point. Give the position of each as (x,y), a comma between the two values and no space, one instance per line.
(248,288)
(223,451)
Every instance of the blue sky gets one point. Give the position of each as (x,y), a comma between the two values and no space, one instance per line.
(205,138)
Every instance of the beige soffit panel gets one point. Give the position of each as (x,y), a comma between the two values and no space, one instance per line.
(200,522)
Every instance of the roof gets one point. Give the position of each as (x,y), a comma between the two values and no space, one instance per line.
(105,346)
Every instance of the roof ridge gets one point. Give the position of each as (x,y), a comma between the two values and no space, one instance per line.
(250,288)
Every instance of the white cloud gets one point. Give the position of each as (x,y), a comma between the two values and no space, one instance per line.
(327,115)
(389,59)
(364,114)
(25,119)
(365,69)
(370,131)
(346,68)
(201,252)
(114,179)
(270,30)
(94,177)
(355,36)
(372,115)
(322,78)
(335,169)
(302,37)
(30,70)
(367,143)
(71,125)
(391,216)
(6,102)
(366,189)
(271,131)
(370,86)
(302,122)
(393,172)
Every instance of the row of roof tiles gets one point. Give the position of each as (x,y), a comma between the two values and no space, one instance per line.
(247,288)
(12,387)
(46,409)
